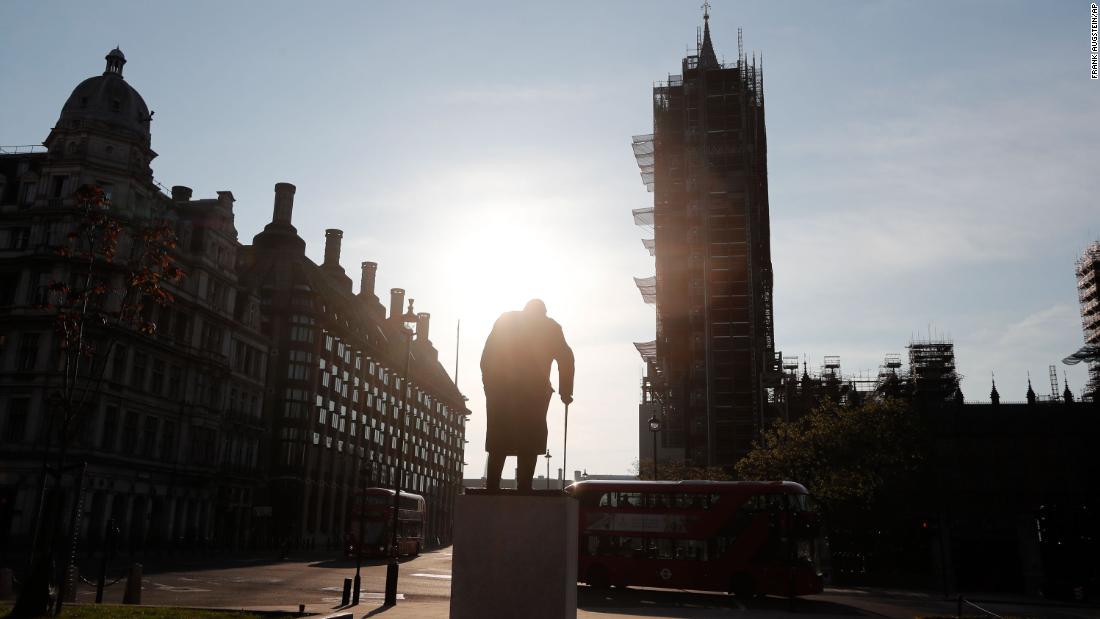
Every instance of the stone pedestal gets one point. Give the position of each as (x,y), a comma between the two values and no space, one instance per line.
(514,556)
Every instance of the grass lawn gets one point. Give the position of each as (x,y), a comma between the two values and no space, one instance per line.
(107,611)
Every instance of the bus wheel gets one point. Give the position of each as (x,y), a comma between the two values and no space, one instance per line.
(743,587)
(417,553)
(597,577)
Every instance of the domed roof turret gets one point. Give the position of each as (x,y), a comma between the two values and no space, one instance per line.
(108,99)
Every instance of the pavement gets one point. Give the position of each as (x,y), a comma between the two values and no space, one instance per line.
(262,582)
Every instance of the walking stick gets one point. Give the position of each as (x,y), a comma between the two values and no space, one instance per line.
(564,449)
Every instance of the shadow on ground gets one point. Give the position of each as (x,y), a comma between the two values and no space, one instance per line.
(672,603)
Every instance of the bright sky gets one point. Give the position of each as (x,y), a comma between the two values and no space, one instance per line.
(933,166)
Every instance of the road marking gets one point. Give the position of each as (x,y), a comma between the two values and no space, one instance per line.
(441,576)
(378,596)
(164,587)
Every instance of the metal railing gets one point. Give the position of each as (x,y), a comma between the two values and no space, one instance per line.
(22,149)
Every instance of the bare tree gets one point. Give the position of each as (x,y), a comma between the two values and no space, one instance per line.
(115,272)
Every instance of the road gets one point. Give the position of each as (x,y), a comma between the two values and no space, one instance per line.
(260,580)
(315,579)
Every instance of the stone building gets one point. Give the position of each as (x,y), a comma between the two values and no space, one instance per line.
(173,440)
(268,393)
(335,389)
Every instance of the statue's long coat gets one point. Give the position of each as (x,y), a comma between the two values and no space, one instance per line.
(515,369)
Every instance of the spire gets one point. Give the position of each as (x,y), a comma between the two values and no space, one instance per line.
(994,397)
(707,58)
(1030,391)
(1067,395)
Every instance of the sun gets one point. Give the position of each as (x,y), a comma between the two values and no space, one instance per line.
(506,262)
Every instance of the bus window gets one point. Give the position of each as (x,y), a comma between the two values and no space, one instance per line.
(658,500)
(666,548)
(691,550)
(593,545)
(630,499)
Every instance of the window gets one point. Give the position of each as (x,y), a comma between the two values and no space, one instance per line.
(28,352)
(130,433)
(137,375)
(16,427)
(297,371)
(168,441)
(29,189)
(175,381)
(118,363)
(110,428)
(149,437)
(8,283)
(57,186)
(157,385)
(181,327)
(18,238)
(212,338)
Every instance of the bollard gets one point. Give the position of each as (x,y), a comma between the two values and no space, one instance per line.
(345,594)
(5,582)
(70,586)
(133,585)
(301,609)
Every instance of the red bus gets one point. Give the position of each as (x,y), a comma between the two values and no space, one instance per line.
(745,537)
(371,516)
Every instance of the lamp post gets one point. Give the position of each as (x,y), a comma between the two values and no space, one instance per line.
(359,541)
(654,427)
(548,469)
(408,326)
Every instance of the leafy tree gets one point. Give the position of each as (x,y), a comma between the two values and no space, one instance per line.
(841,454)
(115,272)
(865,463)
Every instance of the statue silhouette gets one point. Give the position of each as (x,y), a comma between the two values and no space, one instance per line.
(515,370)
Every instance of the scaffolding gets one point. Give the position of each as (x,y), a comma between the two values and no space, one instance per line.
(648,350)
(648,287)
(932,368)
(1088,291)
(643,153)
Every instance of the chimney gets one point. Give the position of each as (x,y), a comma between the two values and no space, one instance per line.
(422,326)
(397,298)
(366,285)
(284,203)
(333,239)
(181,193)
(225,199)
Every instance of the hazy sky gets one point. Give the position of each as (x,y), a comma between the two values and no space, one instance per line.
(933,166)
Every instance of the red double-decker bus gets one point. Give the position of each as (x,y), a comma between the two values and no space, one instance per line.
(744,537)
(370,520)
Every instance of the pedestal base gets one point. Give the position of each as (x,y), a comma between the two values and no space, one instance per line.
(514,556)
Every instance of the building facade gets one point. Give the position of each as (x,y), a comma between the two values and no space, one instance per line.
(172,441)
(706,163)
(1088,290)
(266,394)
(335,401)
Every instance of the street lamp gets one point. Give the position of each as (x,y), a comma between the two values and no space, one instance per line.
(362,533)
(547,468)
(654,427)
(408,327)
